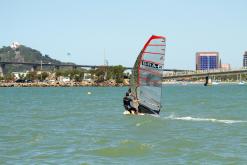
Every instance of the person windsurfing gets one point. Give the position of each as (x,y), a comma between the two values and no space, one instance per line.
(129,104)
(146,78)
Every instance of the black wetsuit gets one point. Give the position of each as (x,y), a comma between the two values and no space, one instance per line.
(127,105)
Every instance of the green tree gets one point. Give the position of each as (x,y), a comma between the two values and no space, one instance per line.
(61,72)
(114,72)
(76,74)
(9,77)
(32,76)
(118,72)
(58,73)
(42,76)
(73,74)
(100,73)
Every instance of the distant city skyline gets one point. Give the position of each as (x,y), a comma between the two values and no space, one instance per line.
(92,31)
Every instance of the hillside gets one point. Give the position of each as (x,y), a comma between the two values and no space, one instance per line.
(23,54)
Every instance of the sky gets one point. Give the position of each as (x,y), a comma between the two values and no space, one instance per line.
(117,30)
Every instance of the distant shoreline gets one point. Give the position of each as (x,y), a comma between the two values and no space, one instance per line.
(63,84)
(92,84)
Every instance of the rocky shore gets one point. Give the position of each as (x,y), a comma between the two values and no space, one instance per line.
(110,83)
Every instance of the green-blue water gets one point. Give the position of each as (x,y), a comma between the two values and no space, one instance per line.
(197,125)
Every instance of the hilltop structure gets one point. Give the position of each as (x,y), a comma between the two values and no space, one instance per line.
(15,45)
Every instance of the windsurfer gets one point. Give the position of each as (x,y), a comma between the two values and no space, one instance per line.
(129,104)
(145,90)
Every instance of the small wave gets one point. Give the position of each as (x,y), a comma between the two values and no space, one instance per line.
(138,124)
(124,148)
(189,118)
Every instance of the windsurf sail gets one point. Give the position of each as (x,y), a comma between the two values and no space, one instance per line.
(146,78)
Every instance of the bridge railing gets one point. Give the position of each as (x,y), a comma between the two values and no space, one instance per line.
(196,72)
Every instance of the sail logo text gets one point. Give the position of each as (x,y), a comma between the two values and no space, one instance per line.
(151,65)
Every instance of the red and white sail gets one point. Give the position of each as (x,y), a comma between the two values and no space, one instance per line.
(146,80)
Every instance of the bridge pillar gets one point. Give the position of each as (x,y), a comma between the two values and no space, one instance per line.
(34,68)
(208,81)
(2,70)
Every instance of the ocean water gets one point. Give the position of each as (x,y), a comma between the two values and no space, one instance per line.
(197,125)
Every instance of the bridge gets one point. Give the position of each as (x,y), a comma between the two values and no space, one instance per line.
(207,75)
(34,66)
(201,74)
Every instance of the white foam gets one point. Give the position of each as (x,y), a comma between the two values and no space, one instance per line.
(189,118)
(138,124)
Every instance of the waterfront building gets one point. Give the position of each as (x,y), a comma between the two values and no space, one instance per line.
(207,60)
(87,77)
(225,67)
(245,60)
(63,79)
(19,75)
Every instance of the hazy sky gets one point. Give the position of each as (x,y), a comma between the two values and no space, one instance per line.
(87,28)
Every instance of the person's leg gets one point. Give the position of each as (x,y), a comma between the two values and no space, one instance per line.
(128,109)
(133,110)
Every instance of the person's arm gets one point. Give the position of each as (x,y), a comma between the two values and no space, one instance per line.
(130,98)
(136,100)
